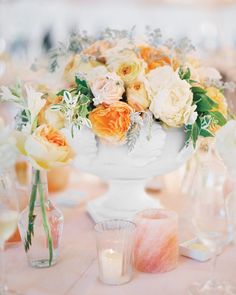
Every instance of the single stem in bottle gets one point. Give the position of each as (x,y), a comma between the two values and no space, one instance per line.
(31,217)
(45,221)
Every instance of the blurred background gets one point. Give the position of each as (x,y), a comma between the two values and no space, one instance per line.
(30,28)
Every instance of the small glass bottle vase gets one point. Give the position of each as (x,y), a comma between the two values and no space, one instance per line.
(41,225)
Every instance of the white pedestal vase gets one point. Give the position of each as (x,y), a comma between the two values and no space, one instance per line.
(127,172)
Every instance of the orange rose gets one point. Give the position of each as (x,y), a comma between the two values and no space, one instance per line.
(154,57)
(111,122)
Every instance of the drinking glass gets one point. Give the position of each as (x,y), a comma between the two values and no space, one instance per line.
(115,240)
(8,222)
(210,222)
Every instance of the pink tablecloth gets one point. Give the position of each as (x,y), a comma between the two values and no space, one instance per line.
(76,272)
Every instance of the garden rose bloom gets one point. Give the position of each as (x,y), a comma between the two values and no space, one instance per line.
(137,96)
(217,96)
(154,57)
(77,65)
(172,98)
(54,118)
(111,122)
(98,49)
(107,89)
(127,65)
(47,148)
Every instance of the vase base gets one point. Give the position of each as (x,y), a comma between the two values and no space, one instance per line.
(98,212)
(42,263)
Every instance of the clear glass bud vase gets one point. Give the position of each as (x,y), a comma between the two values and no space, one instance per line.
(41,225)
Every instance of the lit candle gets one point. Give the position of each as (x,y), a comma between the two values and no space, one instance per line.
(111,263)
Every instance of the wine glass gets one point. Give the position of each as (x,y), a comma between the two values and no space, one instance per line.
(210,222)
(8,222)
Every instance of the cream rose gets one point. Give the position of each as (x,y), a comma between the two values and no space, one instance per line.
(172,97)
(107,89)
(46,148)
(127,65)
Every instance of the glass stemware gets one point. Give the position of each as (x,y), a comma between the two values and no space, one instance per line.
(210,222)
(8,222)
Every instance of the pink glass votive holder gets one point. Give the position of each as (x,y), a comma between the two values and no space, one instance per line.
(156,246)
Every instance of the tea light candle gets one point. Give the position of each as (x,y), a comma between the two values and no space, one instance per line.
(111,263)
(156,244)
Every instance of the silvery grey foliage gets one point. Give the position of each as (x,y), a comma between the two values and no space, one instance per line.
(113,34)
(137,123)
(183,47)
(154,36)
(71,109)
(230,86)
(76,44)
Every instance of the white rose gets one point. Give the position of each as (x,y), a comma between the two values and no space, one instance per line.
(172,97)
(226,145)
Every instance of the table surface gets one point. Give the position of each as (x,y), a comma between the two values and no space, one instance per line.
(76,271)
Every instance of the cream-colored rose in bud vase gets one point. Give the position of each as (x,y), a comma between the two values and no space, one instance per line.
(129,108)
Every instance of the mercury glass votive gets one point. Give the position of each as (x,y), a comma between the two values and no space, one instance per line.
(115,239)
(156,246)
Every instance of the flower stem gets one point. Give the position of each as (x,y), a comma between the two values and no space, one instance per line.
(31,217)
(45,221)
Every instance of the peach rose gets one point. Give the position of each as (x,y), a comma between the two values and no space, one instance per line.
(107,89)
(154,57)
(137,96)
(98,49)
(46,148)
(111,122)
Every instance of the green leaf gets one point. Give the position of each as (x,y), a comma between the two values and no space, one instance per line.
(195,133)
(198,90)
(205,104)
(206,133)
(218,118)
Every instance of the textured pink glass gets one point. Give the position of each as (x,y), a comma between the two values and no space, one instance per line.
(156,245)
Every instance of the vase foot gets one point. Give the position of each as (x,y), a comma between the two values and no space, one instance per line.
(98,210)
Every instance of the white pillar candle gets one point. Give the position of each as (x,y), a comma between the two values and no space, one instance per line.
(111,263)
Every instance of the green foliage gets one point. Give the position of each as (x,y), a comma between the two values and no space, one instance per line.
(76,105)
(206,116)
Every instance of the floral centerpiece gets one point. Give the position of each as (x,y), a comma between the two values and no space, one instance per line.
(119,95)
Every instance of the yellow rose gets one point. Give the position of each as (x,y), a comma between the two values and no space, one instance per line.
(217,96)
(46,148)
(137,96)
(111,122)
(77,65)
(127,65)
